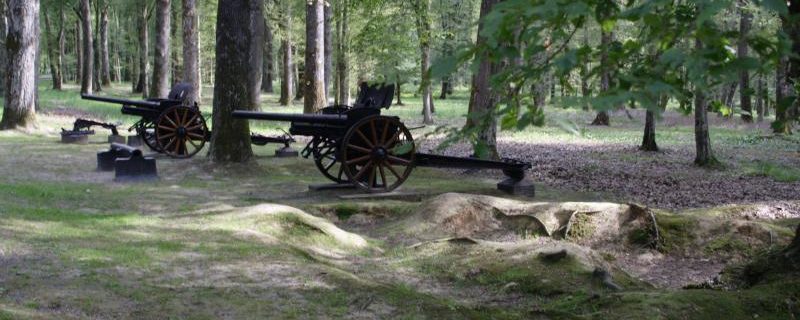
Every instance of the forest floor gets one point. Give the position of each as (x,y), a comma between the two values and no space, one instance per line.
(251,241)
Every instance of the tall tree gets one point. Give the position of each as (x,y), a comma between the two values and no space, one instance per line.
(191,49)
(342,61)
(55,48)
(105,62)
(745,23)
(230,140)
(22,44)
(87,58)
(484,98)
(287,76)
(268,68)
(161,66)
(704,156)
(3,34)
(421,12)
(328,37)
(78,51)
(143,83)
(314,73)
(256,63)
(606,37)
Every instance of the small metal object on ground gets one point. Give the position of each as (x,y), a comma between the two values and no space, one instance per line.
(107,159)
(286,152)
(74,137)
(513,186)
(137,167)
(116,139)
(331,186)
(134,141)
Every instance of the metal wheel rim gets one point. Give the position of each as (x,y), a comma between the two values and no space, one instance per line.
(181,132)
(326,159)
(146,131)
(378,154)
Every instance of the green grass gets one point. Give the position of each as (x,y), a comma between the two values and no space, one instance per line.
(777,172)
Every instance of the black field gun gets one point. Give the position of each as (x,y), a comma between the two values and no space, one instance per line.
(357,145)
(173,126)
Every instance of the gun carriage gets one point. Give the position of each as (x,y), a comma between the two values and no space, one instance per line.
(376,153)
(174,126)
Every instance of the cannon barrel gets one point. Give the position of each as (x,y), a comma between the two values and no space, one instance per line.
(333,119)
(124,147)
(146,104)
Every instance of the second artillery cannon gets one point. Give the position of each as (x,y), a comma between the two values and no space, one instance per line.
(376,153)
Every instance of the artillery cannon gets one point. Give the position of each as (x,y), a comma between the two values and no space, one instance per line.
(174,126)
(357,145)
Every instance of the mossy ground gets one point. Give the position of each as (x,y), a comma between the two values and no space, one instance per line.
(74,244)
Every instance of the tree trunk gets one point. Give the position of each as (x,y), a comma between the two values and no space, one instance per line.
(191,49)
(96,46)
(160,86)
(52,44)
(483,98)
(268,68)
(602,118)
(105,63)
(177,46)
(342,61)
(78,52)
(422,8)
(649,139)
(314,75)
(230,139)
(88,51)
(760,97)
(328,59)
(3,35)
(399,92)
(143,84)
(792,28)
(445,89)
(22,43)
(704,156)
(256,63)
(287,76)
(745,101)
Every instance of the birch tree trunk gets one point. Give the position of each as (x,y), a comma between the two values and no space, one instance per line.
(22,44)
(314,75)
(191,49)
(230,139)
(160,87)
(78,52)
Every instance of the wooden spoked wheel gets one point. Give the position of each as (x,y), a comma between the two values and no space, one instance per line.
(181,132)
(147,132)
(327,160)
(378,154)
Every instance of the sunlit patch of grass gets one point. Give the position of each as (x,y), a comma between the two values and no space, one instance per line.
(777,172)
